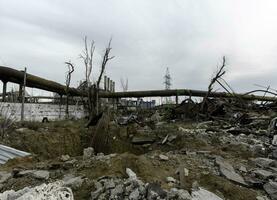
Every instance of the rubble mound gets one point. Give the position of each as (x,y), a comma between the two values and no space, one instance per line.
(51,191)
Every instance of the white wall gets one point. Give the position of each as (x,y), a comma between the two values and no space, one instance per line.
(36,111)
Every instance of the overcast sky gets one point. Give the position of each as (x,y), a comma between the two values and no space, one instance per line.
(190,37)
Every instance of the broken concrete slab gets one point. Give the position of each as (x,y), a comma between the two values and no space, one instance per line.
(228,171)
(263,174)
(4,176)
(181,194)
(88,153)
(203,194)
(72,181)
(163,157)
(38,174)
(263,162)
(271,189)
(131,174)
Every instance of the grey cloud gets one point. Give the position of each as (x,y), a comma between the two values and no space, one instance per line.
(189,37)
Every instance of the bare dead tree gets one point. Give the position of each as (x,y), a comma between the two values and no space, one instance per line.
(217,76)
(124,84)
(67,82)
(87,56)
(93,90)
(106,58)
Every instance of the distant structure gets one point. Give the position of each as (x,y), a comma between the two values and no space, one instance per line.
(167,79)
(167,82)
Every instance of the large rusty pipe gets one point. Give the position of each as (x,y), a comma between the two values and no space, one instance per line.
(15,76)
(11,75)
(181,92)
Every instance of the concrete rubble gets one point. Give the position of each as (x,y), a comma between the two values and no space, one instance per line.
(158,154)
(51,191)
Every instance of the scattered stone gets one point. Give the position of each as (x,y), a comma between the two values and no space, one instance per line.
(72,181)
(181,194)
(255,182)
(131,174)
(204,125)
(163,157)
(4,176)
(22,130)
(165,139)
(263,174)
(41,174)
(274,154)
(88,153)
(96,194)
(228,171)
(38,174)
(203,194)
(261,198)
(171,138)
(263,162)
(154,190)
(243,169)
(170,180)
(117,192)
(109,184)
(271,189)
(183,173)
(65,158)
(134,195)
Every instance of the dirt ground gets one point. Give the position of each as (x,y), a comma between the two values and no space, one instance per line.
(193,147)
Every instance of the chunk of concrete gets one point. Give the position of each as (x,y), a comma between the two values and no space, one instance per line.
(263,162)
(228,171)
(163,157)
(65,158)
(271,189)
(154,191)
(38,174)
(41,174)
(131,174)
(134,194)
(263,174)
(4,176)
(203,194)
(180,194)
(72,181)
(170,179)
(88,153)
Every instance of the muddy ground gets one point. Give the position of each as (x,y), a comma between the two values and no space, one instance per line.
(200,147)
